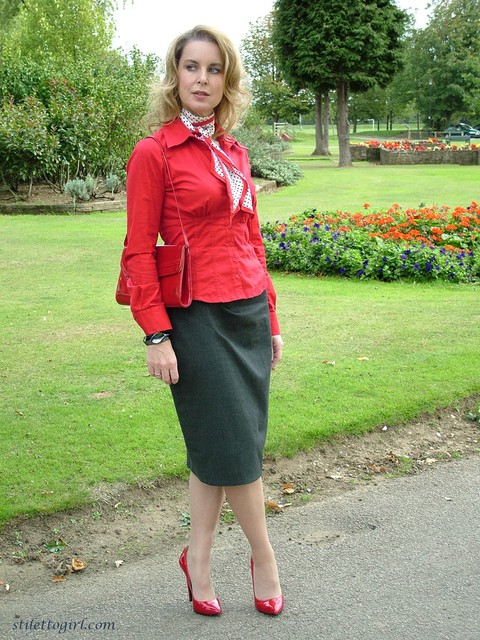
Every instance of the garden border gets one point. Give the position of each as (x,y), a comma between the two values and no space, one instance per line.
(431,155)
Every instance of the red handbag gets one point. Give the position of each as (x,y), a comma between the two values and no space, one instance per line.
(174,274)
(173,267)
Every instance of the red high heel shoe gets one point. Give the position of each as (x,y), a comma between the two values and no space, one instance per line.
(205,607)
(271,607)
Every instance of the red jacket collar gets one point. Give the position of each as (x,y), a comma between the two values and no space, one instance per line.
(175,133)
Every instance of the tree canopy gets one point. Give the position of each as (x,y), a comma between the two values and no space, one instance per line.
(444,63)
(70,104)
(54,29)
(338,45)
(272,96)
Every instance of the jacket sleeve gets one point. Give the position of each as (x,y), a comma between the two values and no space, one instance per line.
(145,193)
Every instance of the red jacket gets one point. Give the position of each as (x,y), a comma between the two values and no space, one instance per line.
(228,257)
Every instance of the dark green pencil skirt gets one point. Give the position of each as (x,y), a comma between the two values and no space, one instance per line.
(224,354)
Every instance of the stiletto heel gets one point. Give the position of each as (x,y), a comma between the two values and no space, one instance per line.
(205,607)
(271,607)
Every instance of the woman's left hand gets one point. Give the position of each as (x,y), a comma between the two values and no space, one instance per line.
(277,348)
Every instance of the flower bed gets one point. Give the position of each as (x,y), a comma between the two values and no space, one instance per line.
(421,244)
(404,152)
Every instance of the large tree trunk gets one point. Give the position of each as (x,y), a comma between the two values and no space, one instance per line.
(321,130)
(326,121)
(343,126)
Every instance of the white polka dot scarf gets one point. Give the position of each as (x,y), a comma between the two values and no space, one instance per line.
(238,189)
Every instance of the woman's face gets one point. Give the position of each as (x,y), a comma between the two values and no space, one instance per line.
(201,79)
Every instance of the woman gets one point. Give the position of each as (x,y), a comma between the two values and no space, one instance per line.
(216,354)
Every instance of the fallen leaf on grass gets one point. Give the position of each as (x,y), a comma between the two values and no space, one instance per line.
(377,469)
(363,358)
(58,578)
(78,565)
(272,506)
(288,488)
(18,412)
(331,363)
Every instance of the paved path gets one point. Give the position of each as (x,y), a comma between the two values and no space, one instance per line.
(398,561)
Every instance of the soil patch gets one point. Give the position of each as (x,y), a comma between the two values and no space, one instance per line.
(46,198)
(125,523)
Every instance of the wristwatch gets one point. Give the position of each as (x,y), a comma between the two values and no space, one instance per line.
(156,338)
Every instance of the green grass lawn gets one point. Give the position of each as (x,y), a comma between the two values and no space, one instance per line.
(77,405)
(325,186)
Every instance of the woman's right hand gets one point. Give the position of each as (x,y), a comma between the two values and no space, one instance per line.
(162,362)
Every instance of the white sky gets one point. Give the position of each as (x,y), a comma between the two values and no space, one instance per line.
(151,25)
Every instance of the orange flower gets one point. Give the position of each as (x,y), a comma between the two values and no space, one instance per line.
(451,227)
(366,205)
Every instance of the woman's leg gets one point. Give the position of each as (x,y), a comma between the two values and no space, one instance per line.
(248,504)
(205,505)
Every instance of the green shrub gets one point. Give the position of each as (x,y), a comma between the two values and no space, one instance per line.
(28,149)
(91,185)
(112,183)
(77,190)
(86,117)
(266,154)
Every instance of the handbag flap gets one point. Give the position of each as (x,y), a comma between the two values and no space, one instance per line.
(170,259)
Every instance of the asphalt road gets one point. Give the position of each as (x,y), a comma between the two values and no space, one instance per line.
(397,561)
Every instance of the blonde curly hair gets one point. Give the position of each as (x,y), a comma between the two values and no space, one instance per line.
(164,101)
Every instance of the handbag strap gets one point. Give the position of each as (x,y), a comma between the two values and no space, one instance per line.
(173,188)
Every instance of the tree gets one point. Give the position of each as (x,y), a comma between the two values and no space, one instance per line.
(62,32)
(8,10)
(272,96)
(89,98)
(445,63)
(324,45)
(368,105)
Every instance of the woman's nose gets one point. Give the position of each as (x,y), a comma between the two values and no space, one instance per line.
(202,76)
